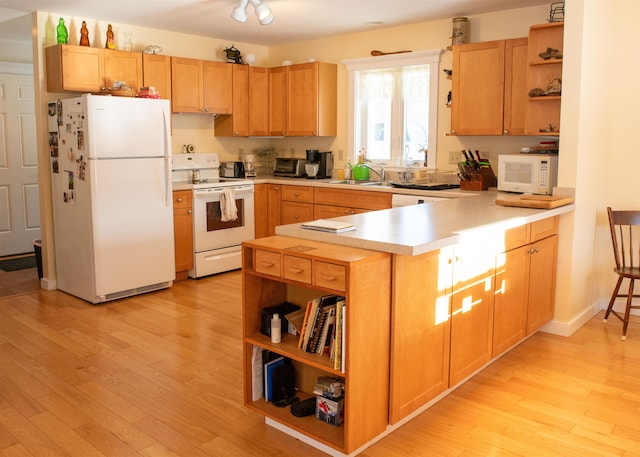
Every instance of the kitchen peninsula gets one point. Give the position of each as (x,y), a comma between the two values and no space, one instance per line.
(434,293)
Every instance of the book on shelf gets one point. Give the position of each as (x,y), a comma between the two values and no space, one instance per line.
(295,320)
(269,369)
(338,343)
(309,322)
(325,225)
(327,331)
(317,320)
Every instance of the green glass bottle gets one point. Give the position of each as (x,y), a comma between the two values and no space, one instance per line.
(62,34)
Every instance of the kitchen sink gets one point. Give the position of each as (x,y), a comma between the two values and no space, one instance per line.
(359,183)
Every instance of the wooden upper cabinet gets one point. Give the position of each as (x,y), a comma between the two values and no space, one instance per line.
(258,101)
(515,86)
(278,101)
(238,123)
(217,87)
(156,72)
(123,66)
(74,68)
(489,88)
(186,85)
(312,100)
(199,86)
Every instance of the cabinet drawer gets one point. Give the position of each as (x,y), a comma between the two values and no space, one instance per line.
(297,194)
(293,213)
(268,262)
(516,237)
(544,228)
(331,275)
(181,199)
(296,268)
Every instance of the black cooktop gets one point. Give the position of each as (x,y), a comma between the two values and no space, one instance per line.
(425,186)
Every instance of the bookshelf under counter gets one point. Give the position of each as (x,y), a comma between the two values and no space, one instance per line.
(363,278)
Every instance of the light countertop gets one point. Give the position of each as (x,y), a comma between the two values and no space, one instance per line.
(416,229)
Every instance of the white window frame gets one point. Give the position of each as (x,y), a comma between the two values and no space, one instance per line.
(431,58)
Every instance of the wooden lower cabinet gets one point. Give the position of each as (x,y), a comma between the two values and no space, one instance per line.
(456,309)
(332,202)
(365,283)
(471,308)
(296,204)
(183,232)
(261,210)
(420,337)
(525,282)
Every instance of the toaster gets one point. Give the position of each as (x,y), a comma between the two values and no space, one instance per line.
(232,170)
(292,168)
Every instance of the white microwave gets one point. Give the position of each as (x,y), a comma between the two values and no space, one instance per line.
(528,173)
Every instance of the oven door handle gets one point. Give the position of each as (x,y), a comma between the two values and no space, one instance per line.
(200,193)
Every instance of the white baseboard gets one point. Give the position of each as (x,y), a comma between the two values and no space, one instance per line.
(569,328)
(48,284)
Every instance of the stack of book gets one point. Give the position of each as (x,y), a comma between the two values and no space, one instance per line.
(321,330)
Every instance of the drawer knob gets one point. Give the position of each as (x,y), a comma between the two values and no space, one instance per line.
(296,270)
(179,200)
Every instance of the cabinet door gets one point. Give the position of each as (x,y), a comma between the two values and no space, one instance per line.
(74,68)
(261,210)
(515,86)
(542,280)
(275,212)
(302,100)
(278,101)
(156,72)
(478,88)
(183,230)
(258,101)
(511,297)
(472,304)
(293,213)
(186,85)
(420,331)
(123,66)
(218,82)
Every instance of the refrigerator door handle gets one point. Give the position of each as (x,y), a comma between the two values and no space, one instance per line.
(167,161)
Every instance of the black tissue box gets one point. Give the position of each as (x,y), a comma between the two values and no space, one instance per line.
(281,310)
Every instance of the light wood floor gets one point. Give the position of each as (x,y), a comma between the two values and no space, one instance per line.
(159,375)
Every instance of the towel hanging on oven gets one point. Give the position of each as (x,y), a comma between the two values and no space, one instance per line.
(228,208)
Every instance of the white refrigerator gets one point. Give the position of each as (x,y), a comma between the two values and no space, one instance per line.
(111,190)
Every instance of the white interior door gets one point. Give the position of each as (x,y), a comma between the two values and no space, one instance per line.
(19,192)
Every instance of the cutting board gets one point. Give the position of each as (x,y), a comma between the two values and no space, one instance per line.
(535,201)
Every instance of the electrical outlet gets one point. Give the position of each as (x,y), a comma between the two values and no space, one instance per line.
(454,157)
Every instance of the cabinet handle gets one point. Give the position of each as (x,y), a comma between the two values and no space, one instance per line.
(267,265)
(329,278)
(296,216)
(205,110)
(534,250)
(296,270)
(179,200)
(505,132)
(190,212)
(453,132)
(346,211)
(295,194)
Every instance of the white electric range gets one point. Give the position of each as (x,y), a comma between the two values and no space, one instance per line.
(216,241)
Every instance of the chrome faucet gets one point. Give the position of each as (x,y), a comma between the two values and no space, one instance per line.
(381,173)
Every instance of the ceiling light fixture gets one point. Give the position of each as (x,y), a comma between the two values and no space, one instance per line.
(263,12)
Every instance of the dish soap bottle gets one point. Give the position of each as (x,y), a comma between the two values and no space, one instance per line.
(276,328)
(347,169)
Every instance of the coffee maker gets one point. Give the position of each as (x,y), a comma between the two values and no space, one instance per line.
(324,159)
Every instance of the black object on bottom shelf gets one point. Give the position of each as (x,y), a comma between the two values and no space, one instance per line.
(302,408)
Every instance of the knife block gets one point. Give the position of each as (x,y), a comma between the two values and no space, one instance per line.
(483,179)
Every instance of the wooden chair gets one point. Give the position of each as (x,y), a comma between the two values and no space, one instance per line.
(625,236)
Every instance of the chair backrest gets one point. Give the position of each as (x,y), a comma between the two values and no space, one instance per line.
(625,236)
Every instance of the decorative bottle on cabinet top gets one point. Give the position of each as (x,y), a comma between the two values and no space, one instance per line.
(111,42)
(62,35)
(84,34)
